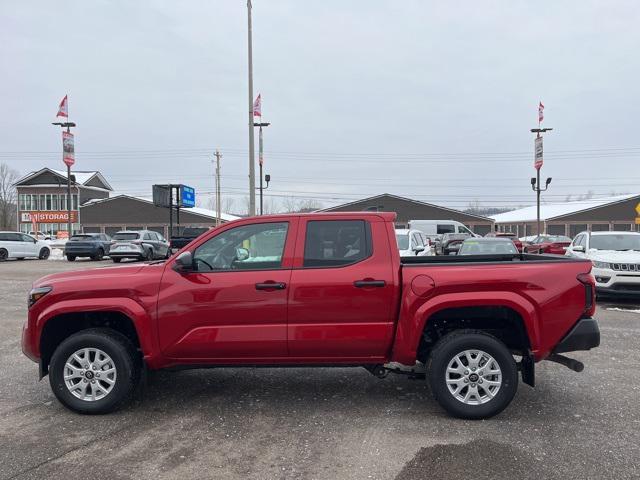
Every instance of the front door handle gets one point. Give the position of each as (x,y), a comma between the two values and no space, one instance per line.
(271,286)
(369,283)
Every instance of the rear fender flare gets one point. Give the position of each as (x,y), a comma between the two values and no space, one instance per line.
(413,320)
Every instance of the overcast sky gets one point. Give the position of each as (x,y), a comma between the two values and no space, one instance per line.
(432,100)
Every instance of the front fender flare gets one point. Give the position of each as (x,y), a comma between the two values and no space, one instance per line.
(142,321)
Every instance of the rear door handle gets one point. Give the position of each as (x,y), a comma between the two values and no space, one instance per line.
(271,286)
(369,283)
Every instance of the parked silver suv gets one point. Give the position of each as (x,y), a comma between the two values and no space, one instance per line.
(139,245)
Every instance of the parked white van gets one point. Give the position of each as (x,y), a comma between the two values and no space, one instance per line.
(439,227)
(20,245)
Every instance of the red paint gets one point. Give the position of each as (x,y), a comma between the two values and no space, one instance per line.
(321,316)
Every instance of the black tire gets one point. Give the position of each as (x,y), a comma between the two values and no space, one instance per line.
(71,258)
(125,359)
(4,254)
(168,255)
(98,256)
(116,259)
(44,253)
(457,342)
(149,255)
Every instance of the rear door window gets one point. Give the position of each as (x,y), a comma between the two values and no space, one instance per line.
(335,243)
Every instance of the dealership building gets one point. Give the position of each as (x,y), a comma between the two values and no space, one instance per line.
(409,209)
(42,202)
(619,213)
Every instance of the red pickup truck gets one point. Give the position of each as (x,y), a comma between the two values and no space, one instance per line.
(324,289)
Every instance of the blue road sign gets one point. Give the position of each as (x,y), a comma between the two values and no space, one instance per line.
(187,196)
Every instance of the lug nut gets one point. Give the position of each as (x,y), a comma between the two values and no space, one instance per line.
(466,372)
(480,381)
(93,368)
(473,384)
(473,369)
(97,375)
(466,380)
(84,380)
(93,381)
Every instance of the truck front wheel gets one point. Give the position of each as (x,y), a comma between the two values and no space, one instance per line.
(94,371)
(472,374)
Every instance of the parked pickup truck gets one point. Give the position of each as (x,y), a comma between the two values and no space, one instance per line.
(185,237)
(313,289)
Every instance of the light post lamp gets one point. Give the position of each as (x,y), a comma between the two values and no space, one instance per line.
(260,160)
(535,181)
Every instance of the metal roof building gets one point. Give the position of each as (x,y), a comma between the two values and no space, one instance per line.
(620,213)
(410,209)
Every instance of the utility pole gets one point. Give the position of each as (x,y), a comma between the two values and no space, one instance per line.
(538,162)
(252,168)
(218,193)
(260,159)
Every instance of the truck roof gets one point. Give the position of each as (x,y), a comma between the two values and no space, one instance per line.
(386,216)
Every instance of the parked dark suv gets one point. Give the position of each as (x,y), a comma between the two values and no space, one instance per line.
(140,245)
(92,245)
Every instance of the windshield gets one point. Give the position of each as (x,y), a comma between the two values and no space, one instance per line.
(615,242)
(403,241)
(126,236)
(476,247)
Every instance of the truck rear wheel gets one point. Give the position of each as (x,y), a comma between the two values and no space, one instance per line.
(472,374)
(94,371)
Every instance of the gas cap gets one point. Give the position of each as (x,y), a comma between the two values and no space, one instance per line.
(423,285)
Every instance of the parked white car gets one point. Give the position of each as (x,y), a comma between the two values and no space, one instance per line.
(20,245)
(412,243)
(615,257)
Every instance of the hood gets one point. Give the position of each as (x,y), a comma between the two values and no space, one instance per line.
(613,256)
(91,273)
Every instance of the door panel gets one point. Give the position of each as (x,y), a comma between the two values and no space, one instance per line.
(234,308)
(332,318)
(220,315)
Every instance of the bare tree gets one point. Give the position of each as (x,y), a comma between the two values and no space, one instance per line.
(8,197)
(293,204)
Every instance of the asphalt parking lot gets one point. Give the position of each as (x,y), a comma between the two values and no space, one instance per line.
(320,423)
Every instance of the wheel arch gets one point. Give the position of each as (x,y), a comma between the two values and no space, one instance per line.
(424,316)
(57,325)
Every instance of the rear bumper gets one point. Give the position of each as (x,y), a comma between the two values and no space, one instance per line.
(584,335)
(81,252)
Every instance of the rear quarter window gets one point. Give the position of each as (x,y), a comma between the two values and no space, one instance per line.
(335,243)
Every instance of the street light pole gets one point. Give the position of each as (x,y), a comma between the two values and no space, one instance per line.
(260,152)
(252,168)
(68,126)
(535,181)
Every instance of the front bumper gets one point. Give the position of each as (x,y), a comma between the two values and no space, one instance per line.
(615,282)
(584,335)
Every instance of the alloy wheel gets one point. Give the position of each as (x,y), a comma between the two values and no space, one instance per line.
(473,377)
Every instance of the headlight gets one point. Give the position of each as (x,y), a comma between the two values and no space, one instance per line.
(601,264)
(37,293)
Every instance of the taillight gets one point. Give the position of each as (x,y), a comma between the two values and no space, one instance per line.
(589,292)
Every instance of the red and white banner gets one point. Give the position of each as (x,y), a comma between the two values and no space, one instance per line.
(68,151)
(538,160)
(63,109)
(540,112)
(257,107)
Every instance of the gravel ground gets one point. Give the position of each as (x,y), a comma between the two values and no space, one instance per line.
(320,423)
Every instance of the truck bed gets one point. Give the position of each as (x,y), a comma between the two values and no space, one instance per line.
(493,258)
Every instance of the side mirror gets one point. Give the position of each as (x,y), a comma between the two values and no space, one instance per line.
(241,254)
(418,248)
(578,248)
(184,263)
